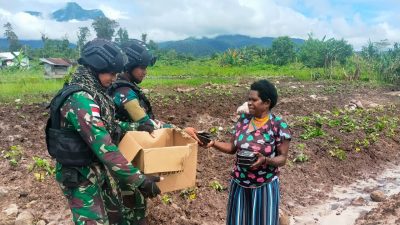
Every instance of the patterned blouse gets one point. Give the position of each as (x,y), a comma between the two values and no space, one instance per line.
(264,140)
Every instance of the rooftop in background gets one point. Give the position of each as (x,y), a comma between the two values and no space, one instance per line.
(57,61)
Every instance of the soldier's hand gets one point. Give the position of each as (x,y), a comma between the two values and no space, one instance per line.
(149,188)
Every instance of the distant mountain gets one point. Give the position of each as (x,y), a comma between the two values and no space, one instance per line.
(73,11)
(192,46)
(208,46)
(34,13)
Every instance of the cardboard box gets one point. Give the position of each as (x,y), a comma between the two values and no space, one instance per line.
(169,154)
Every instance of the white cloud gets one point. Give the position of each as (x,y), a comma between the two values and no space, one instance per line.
(112,13)
(179,19)
(27,26)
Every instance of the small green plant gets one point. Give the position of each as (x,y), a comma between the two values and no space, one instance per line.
(334,122)
(216,186)
(338,153)
(213,130)
(349,124)
(40,164)
(312,132)
(189,193)
(14,155)
(166,199)
(301,157)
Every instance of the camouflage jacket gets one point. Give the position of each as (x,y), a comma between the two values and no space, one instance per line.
(80,112)
(125,95)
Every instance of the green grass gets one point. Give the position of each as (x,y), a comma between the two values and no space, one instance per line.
(212,68)
(31,86)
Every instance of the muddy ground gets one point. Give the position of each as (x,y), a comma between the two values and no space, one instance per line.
(386,213)
(302,184)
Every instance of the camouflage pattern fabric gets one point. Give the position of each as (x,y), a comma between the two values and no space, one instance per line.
(124,95)
(93,201)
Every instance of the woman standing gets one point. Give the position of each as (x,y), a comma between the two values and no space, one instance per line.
(261,142)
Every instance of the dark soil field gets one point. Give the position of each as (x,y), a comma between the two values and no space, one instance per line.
(355,145)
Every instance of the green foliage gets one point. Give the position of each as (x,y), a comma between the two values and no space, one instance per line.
(70,72)
(41,165)
(104,27)
(82,35)
(166,199)
(54,48)
(312,132)
(189,193)
(283,51)
(216,186)
(338,153)
(320,53)
(213,130)
(301,157)
(122,36)
(232,57)
(385,63)
(348,124)
(14,155)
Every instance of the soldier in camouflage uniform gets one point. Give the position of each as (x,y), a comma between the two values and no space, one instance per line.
(132,104)
(90,114)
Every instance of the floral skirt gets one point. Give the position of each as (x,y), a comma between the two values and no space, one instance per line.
(253,206)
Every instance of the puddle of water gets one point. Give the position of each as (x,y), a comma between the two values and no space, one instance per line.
(338,210)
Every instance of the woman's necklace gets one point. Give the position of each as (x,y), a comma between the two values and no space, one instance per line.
(259,122)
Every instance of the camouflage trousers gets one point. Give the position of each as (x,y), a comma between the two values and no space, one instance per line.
(94,202)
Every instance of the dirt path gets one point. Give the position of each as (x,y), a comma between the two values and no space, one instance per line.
(302,184)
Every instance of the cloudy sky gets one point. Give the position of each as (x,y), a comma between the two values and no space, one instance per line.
(354,20)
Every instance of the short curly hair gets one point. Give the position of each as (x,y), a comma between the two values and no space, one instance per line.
(266,91)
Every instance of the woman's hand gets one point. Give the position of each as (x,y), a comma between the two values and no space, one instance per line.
(210,144)
(261,160)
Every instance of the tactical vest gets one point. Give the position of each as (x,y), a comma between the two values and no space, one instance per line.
(122,114)
(66,146)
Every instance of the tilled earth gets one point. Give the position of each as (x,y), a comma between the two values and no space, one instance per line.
(386,213)
(302,184)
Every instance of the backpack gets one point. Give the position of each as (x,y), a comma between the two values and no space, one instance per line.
(66,146)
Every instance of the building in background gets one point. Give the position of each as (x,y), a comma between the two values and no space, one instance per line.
(56,67)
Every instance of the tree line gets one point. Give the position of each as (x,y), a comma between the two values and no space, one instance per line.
(329,54)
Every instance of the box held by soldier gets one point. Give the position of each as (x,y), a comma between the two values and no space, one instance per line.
(167,153)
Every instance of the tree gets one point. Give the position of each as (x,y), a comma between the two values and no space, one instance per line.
(83,34)
(12,38)
(144,38)
(312,52)
(321,53)
(104,27)
(283,51)
(122,37)
(369,52)
(152,46)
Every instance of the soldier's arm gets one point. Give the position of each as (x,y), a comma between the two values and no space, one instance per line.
(84,114)
(128,126)
(128,99)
